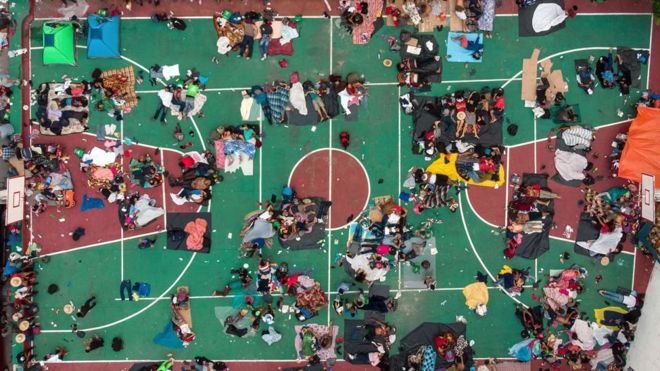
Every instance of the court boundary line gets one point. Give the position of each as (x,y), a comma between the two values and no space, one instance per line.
(329,231)
(193,17)
(403,290)
(478,256)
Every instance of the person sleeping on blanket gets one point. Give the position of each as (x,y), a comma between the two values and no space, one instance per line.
(476,46)
(605,71)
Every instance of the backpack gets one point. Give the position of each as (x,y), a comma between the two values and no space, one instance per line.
(512,130)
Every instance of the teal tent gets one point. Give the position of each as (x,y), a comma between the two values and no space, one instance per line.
(103,37)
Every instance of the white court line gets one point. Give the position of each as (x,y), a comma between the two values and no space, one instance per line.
(121,254)
(327,5)
(203,90)
(560,54)
(329,248)
(399,268)
(211,297)
(366,83)
(476,254)
(506,188)
(261,159)
(632,282)
(597,127)
(165,292)
(223,360)
(199,133)
(535,146)
(162,163)
(100,244)
(648,63)
(137,18)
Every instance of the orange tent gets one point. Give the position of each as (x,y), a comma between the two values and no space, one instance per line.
(641,155)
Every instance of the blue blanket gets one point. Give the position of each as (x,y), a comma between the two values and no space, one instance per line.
(168,337)
(456,53)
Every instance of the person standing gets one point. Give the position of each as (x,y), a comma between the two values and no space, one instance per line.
(165,96)
(266,32)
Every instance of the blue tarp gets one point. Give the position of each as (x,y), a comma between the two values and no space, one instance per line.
(168,337)
(103,37)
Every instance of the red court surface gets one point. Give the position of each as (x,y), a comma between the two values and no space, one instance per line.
(349,188)
(101,225)
(490,204)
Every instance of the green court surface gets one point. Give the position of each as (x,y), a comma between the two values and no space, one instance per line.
(380,139)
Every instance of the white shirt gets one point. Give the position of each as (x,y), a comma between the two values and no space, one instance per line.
(166,97)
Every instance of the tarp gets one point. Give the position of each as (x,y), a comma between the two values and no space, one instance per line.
(103,37)
(641,154)
(59,43)
(446,165)
(425,334)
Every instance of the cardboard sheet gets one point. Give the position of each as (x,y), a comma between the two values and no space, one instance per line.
(528,91)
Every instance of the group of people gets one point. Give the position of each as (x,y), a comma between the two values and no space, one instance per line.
(570,334)
(61,106)
(613,213)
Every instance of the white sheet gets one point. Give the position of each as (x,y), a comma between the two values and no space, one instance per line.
(547,16)
(288,34)
(605,243)
(99,157)
(570,165)
(170,71)
(297,98)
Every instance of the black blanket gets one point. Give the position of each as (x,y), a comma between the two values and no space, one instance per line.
(586,231)
(526,14)
(176,237)
(311,118)
(534,245)
(315,238)
(355,343)
(423,121)
(631,65)
(425,334)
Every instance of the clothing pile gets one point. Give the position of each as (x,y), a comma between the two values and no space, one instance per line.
(136,211)
(420,64)
(531,212)
(605,221)
(63,108)
(361,19)
(299,102)
(145,172)
(198,175)
(433,190)
(310,298)
(570,335)
(49,180)
(298,222)
(512,280)
(377,240)
(239,32)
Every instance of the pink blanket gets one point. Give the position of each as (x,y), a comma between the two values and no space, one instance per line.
(220,154)
(195,230)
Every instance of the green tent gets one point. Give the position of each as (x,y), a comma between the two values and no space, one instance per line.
(59,43)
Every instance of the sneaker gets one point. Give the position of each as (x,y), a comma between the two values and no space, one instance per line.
(263,58)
